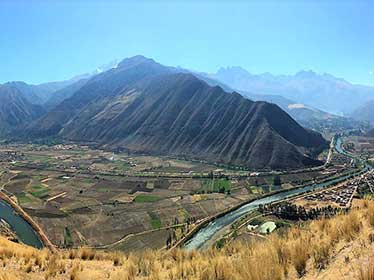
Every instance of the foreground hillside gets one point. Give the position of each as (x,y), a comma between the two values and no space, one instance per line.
(339,248)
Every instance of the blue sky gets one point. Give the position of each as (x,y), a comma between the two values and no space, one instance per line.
(54,40)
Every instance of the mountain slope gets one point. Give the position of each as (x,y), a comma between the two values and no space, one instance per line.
(38,94)
(364,112)
(101,86)
(15,109)
(307,116)
(146,107)
(300,112)
(64,93)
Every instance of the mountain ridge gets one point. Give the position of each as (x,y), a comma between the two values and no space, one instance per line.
(147,107)
(322,91)
(15,108)
(364,112)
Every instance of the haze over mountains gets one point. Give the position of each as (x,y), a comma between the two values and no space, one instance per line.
(15,107)
(306,115)
(365,112)
(146,107)
(325,92)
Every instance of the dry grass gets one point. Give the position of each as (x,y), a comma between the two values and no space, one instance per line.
(321,254)
(367,272)
(7,276)
(292,256)
(371,214)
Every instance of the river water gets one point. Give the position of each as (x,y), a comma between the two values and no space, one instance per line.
(23,230)
(207,232)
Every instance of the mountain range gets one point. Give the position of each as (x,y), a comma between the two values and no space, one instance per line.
(306,115)
(323,91)
(145,107)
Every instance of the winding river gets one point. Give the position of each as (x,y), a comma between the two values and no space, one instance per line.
(207,232)
(23,230)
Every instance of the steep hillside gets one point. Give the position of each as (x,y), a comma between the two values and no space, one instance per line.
(338,248)
(300,112)
(146,107)
(15,109)
(101,86)
(306,115)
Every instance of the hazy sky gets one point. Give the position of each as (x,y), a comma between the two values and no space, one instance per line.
(53,40)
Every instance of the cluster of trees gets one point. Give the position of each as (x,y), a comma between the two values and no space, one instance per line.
(291,211)
(220,190)
(183,230)
(363,190)
(277,180)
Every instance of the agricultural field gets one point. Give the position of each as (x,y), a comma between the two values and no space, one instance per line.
(74,158)
(70,204)
(361,146)
(83,196)
(71,207)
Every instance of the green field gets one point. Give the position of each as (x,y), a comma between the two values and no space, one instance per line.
(155,220)
(88,180)
(216,185)
(39,191)
(22,198)
(40,158)
(146,198)
(38,177)
(68,240)
(121,165)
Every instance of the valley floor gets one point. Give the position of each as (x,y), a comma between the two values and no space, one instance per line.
(139,201)
(338,248)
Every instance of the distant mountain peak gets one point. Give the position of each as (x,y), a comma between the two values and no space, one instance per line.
(306,74)
(106,67)
(319,90)
(233,69)
(15,83)
(135,60)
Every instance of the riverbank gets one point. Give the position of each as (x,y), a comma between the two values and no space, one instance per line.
(210,219)
(208,228)
(35,226)
(338,248)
